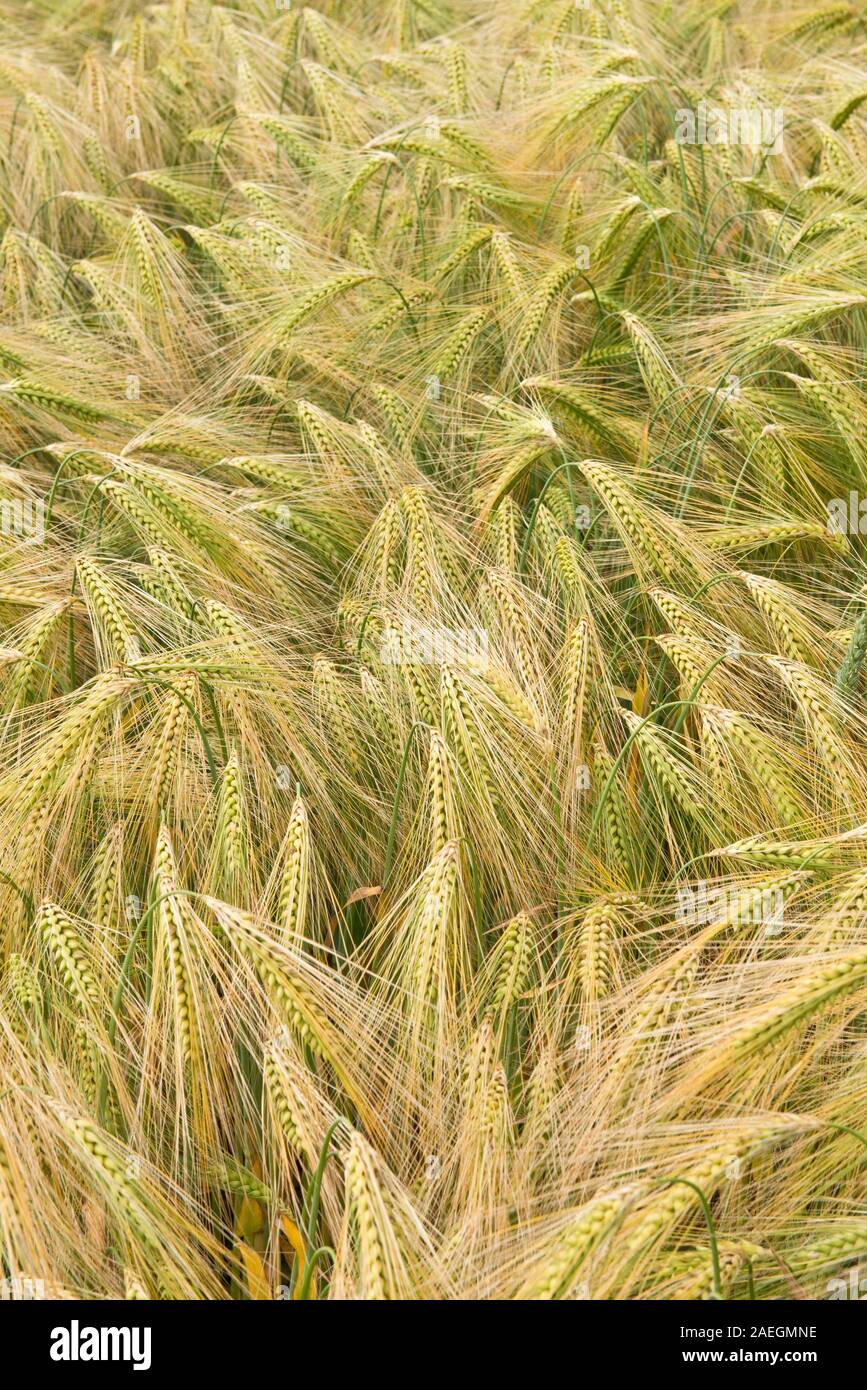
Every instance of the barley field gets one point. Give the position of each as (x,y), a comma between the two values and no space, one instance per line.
(433,490)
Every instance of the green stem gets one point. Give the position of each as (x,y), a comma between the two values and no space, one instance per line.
(312,1206)
(708,1216)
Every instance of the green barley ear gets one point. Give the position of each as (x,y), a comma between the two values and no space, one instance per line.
(506,265)
(564,559)
(812,697)
(763,849)
(232,836)
(440,796)
(107,883)
(485,1135)
(460,343)
(421,556)
(35,648)
(657,372)
(295,880)
(571,218)
(576,666)
(333,698)
(22,994)
(386,1253)
(849,670)
(395,413)
(681,618)
(62,941)
(665,767)
(460,723)
(558,1268)
(232,1176)
(617,828)
(826,985)
(94,157)
(647,536)
(580,410)
(381,547)
(301,1111)
(315,299)
(103,212)
(782,615)
(540,305)
(172,939)
(290,137)
(320,1012)
(599,948)
(168,583)
(505,600)
(501,534)
(180,704)
(186,195)
(837,1249)
(662,1211)
(507,976)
